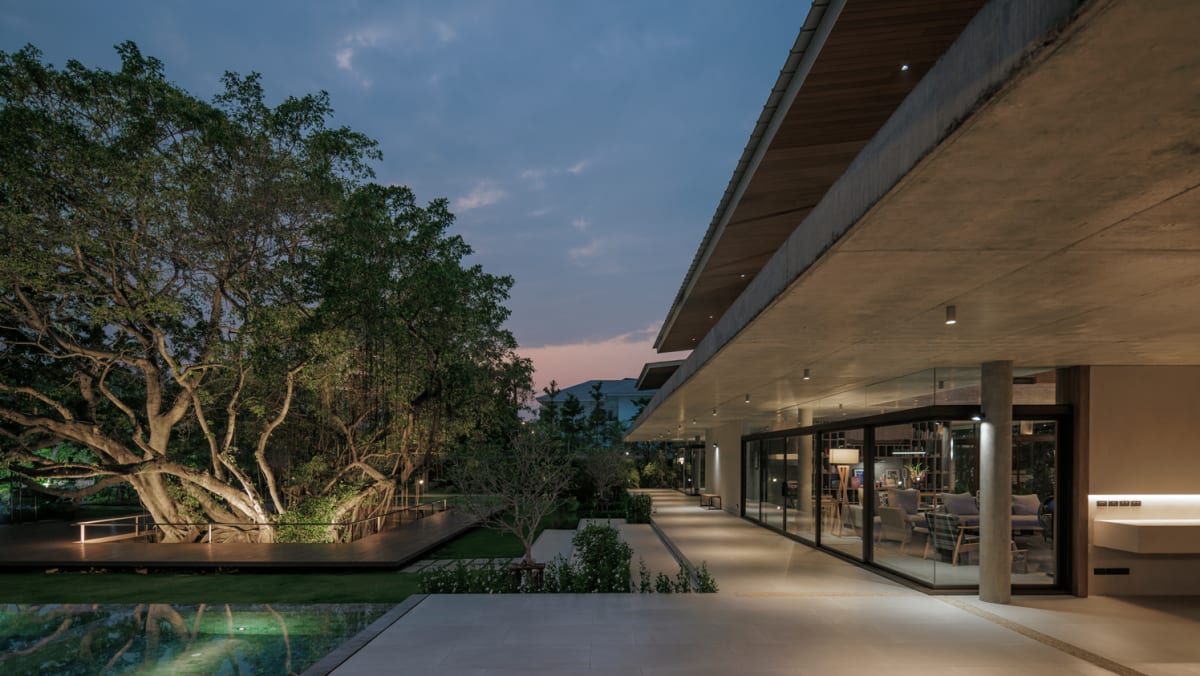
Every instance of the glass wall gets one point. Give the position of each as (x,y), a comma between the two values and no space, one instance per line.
(800,503)
(928,517)
(841,504)
(774,482)
(1035,495)
(915,510)
(752,476)
(917,465)
(779,484)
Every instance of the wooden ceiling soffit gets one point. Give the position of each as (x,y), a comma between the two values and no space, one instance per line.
(851,90)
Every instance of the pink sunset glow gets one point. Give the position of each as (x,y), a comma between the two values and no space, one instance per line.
(620,356)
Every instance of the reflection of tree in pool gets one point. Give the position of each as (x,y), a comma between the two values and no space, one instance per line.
(161,638)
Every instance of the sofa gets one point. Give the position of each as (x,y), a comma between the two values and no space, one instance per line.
(1024,510)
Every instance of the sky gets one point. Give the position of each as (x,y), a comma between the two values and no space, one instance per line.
(584,146)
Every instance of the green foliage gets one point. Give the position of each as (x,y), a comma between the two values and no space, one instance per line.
(603,559)
(645,584)
(638,508)
(309,521)
(493,577)
(683,582)
(663,584)
(707,585)
(200,268)
(514,487)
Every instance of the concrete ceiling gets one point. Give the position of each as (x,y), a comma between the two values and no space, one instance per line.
(1062,219)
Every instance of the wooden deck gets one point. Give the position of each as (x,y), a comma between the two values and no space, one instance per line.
(55,545)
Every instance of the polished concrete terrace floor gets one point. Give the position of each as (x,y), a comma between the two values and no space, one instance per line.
(783,608)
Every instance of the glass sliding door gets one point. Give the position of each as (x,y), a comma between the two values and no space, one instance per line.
(842,513)
(752,479)
(1035,496)
(910,476)
(774,482)
(800,504)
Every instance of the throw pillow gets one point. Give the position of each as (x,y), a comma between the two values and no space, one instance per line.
(960,503)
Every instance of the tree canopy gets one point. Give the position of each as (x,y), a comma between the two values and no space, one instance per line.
(215,301)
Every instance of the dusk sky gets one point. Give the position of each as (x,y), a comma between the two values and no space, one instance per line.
(584,146)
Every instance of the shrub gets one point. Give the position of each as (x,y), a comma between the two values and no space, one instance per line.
(638,508)
(707,584)
(645,585)
(490,578)
(683,583)
(603,559)
(662,584)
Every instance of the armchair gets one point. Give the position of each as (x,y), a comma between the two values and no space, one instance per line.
(950,537)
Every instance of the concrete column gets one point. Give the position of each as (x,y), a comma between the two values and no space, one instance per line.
(727,464)
(995,483)
(804,418)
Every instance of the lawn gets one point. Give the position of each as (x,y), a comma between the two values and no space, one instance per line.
(484,543)
(366,587)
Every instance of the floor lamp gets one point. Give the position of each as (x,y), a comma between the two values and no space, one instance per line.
(842,458)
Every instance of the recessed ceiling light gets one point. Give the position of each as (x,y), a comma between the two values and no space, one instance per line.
(743,275)
(747,398)
(951,315)
(904,67)
(714,411)
(807,376)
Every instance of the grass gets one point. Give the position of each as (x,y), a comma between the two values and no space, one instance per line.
(485,543)
(480,543)
(366,587)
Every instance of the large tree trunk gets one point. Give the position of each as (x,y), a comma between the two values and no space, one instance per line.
(152,489)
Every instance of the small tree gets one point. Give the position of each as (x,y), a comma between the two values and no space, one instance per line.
(608,471)
(512,489)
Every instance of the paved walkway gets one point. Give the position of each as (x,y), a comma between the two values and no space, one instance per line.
(783,608)
(51,545)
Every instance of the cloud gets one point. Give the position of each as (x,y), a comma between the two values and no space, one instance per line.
(537,177)
(444,31)
(590,250)
(580,224)
(482,195)
(538,213)
(619,356)
(344,57)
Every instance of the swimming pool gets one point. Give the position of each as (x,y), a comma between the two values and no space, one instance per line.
(159,638)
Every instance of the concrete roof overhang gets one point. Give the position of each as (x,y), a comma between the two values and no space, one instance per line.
(655,373)
(842,80)
(1044,183)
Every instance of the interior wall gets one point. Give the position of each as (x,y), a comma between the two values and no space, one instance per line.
(1142,431)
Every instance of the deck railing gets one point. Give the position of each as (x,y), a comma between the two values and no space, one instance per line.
(143,525)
